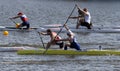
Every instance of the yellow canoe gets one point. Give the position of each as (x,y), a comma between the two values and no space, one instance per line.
(69,52)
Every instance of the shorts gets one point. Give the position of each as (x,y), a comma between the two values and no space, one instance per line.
(61,44)
(73,45)
(26,24)
(86,24)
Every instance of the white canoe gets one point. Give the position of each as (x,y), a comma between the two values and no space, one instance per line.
(85,30)
(10,49)
(14,49)
(57,27)
(81,27)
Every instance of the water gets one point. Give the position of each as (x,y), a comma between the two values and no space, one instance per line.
(13,62)
(43,12)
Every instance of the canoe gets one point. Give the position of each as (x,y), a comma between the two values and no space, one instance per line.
(69,52)
(10,49)
(11,28)
(86,30)
(57,27)
(64,30)
(81,27)
(15,49)
(61,25)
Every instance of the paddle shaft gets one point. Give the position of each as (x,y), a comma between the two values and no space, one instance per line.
(62,26)
(13,21)
(66,20)
(41,40)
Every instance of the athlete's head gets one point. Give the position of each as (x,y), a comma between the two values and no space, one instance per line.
(20,13)
(48,31)
(85,9)
(68,33)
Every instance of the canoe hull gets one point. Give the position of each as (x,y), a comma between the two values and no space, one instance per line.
(57,27)
(10,49)
(69,52)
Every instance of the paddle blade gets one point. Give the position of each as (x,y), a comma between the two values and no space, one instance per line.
(17,25)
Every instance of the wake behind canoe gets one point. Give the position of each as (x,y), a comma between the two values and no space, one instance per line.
(69,52)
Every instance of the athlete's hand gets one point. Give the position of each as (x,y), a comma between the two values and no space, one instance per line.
(64,25)
(10,18)
(40,32)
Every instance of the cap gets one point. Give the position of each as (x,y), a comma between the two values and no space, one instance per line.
(68,33)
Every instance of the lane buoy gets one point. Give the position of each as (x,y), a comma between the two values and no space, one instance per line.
(5,33)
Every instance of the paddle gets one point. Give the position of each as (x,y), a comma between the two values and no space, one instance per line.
(41,40)
(62,27)
(13,21)
(17,25)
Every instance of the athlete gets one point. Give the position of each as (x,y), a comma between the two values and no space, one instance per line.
(72,40)
(54,39)
(84,18)
(24,19)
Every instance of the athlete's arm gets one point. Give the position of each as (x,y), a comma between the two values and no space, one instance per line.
(15,17)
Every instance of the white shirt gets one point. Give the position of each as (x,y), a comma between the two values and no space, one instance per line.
(88,17)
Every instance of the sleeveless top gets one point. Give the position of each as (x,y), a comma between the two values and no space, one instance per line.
(73,40)
(88,17)
(24,18)
(74,44)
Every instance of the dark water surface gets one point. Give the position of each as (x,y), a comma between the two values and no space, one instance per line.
(43,12)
